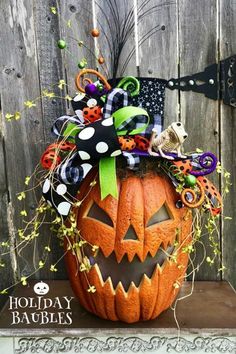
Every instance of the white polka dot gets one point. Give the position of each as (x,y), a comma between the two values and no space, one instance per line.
(92,102)
(84,155)
(101,147)
(61,189)
(86,167)
(79,113)
(116,153)
(86,133)
(107,122)
(64,208)
(46,186)
(79,97)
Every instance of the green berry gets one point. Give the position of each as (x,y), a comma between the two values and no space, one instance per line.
(190,180)
(81,64)
(100,87)
(61,44)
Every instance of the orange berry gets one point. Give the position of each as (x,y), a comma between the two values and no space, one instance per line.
(101,60)
(95,32)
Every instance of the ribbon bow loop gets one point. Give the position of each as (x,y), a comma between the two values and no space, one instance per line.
(98,140)
(98,143)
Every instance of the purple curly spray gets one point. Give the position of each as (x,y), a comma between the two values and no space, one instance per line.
(207,164)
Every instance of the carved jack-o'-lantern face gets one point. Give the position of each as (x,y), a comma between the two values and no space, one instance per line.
(140,236)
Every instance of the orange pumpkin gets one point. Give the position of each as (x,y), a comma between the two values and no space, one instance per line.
(134,277)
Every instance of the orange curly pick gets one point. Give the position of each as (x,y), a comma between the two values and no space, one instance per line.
(80,78)
(193,203)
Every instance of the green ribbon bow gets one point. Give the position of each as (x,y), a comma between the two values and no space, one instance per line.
(107,165)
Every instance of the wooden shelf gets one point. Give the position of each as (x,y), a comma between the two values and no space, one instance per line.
(211,309)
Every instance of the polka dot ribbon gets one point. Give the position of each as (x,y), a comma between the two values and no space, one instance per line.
(97,140)
(96,143)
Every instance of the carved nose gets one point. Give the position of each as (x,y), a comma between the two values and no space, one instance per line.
(185,136)
(131,234)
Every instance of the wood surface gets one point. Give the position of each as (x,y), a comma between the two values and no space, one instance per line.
(80,13)
(23,139)
(202,305)
(192,35)
(4,215)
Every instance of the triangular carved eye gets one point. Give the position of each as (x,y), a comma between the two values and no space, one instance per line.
(97,213)
(161,215)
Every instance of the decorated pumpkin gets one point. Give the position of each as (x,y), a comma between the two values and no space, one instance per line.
(127,240)
(142,238)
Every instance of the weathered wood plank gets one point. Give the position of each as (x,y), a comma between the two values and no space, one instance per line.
(22,76)
(80,15)
(102,43)
(7,273)
(126,11)
(19,79)
(113,18)
(50,71)
(198,48)
(228,138)
(159,54)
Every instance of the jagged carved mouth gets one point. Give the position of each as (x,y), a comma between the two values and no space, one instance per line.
(127,272)
(124,271)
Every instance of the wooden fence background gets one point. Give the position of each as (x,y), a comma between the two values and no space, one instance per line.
(192,35)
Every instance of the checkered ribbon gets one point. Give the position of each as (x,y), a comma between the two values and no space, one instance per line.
(68,173)
(116,99)
(61,123)
(156,122)
(151,98)
(138,122)
(195,157)
(132,160)
(133,123)
(119,98)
